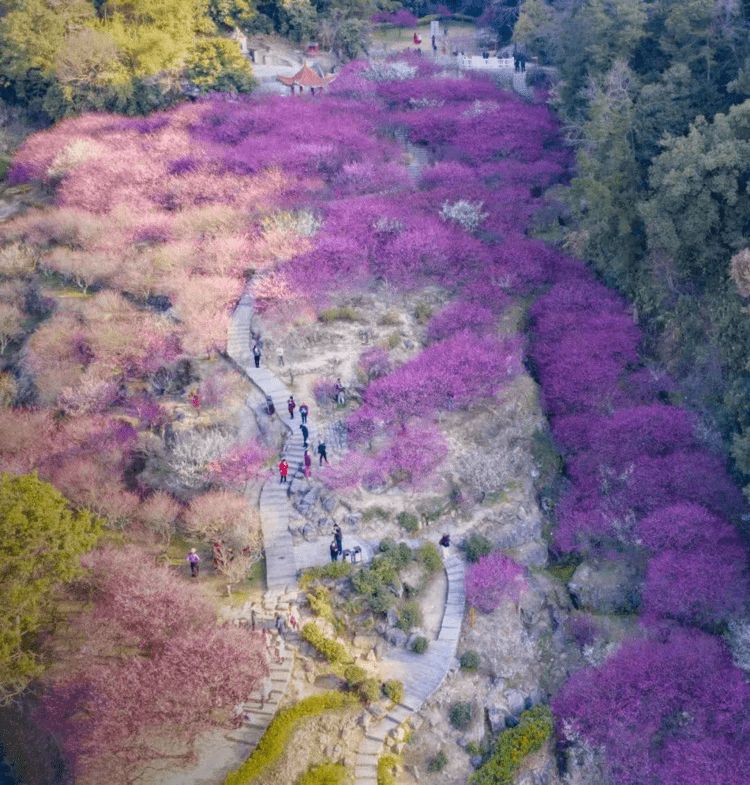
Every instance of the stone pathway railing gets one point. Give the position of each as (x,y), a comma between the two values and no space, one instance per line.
(421,675)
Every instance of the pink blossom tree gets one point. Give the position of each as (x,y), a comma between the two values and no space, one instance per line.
(122,703)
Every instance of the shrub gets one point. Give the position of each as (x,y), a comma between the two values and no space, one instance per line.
(409,616)
(387,545)
(491,580)
(461,715)
(394,690)
(428,555)
(513,745)
(319,599)
(333,571)
(342,313)
(369,690)
(422,313)
(476,546)
(271,746)
(439,762)
(332,650)
(420,644)
(377,582)
(409,521)
(401,556)
(397,555)
(470,661)
(375,512)
(354,675)
(326,774)
(387,769)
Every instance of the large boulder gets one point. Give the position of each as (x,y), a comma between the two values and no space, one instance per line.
(605,587)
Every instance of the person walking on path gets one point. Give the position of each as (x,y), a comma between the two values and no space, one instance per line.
(280,624)
(340,399)
(308,464)
(445,543)
(265,691)
(293,619)
(523,62)
(270,408)
(303,411)
(256,355)
(322,453)
(339,537)
(334,549)
(280,355)
(283,470)
(291,405)
(305,434)
(193,558)
(280,650)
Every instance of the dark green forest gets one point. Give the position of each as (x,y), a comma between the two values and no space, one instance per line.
(654,96)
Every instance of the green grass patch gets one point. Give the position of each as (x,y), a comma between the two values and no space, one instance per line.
(375,512)
(271,746)
(342,313)
(326,774)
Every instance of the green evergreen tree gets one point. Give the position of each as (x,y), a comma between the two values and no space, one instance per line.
(41,538)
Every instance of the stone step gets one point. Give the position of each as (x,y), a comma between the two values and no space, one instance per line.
(371,746)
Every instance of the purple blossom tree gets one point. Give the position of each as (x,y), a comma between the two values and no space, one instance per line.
(669,709)
(491,580)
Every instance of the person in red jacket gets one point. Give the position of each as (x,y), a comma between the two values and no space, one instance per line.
(291,405)
(283,470)
(308,464)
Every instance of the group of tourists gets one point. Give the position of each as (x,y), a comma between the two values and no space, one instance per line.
(304,411)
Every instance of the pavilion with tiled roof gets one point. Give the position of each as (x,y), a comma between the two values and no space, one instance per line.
(306,78)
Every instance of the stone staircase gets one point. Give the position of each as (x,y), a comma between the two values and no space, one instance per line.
(256,719)
(421,675)
(281,569)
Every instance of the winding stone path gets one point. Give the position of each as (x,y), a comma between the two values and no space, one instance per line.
(421,674)
(281,569)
